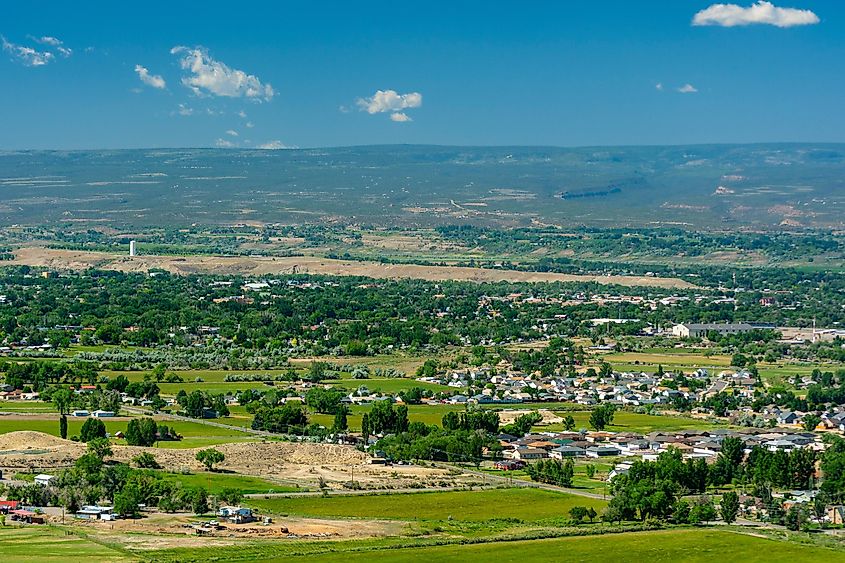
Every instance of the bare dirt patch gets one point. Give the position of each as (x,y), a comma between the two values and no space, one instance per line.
(81,260)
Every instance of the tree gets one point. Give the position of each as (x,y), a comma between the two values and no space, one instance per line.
(591,514)
(820,507)
(100,447)
(810,422)
(590,470)
(729,507)
(341,423)
(146,460)
(92,429)
(365,428)
(199,500)
(209,457)
(141,432)
(230,495)
(569,423)
(796,518)
(602,416)
(703,511)
(61,401)
(126,501)
(326,401)
(578,513)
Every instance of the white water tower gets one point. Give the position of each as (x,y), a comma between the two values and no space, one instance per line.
(132,248)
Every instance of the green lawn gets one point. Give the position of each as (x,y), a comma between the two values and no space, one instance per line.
(26,406)
(215,482)
(691,546)
(522,504)
(41,544)
(624,421)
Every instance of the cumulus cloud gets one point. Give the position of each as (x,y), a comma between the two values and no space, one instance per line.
(232,133)
(185,110)
(389,100)
(687,89)
(223,144)
(659,86)
(762,12)
(208,76)
(154,80)
(27,56)
(274,146)
(249,124)
(399,117)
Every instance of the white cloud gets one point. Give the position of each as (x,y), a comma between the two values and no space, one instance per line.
(242,114)
(153,80)
(223,144)
(209,76)
(249,124)
(185,110)
(659,86)
(687,89)
(400,117)
(53,42)
(762,12)
(389,100)
(274,145)
(232,133)
(27,56)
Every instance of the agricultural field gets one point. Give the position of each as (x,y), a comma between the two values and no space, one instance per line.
(54,545)
(519,503)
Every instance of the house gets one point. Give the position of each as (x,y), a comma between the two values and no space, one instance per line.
(80,413)
(699,330)
(102,414)
(603,451)
(563,452)
(620,469)
(94,512)
(43,479)
(236,514)
(509,465)
(529,453)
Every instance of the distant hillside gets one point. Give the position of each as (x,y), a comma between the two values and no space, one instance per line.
(705,187)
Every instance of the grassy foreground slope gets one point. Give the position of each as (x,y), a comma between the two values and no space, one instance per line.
(40,544)
(669,546)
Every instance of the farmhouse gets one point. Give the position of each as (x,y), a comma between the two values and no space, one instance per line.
(94,512)
(236,514)
(698,330)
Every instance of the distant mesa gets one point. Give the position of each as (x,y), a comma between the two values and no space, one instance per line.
(592,193)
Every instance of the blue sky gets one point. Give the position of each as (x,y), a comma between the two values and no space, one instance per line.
(463,73)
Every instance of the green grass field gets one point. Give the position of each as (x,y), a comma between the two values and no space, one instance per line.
(691,546)
(26,406)
(40,544)
(624,421)
(522,504)
(215,482)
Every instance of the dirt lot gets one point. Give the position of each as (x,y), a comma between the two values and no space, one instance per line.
(81,260)
(289,463)
(158,530)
